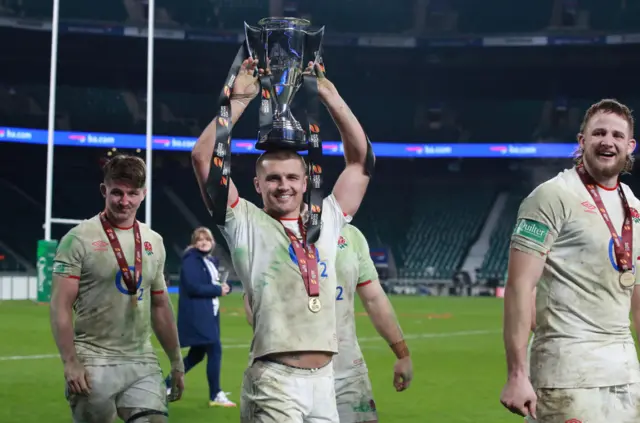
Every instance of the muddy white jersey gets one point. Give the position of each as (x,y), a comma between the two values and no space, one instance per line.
(266,263)
(108,328)
(355,268)
(583,337)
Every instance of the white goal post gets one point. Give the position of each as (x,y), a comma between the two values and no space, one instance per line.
(49,219)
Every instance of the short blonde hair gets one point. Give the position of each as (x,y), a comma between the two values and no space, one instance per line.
(199,232)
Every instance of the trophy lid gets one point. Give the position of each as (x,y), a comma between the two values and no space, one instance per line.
(283,23)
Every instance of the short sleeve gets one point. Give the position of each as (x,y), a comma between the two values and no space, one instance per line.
(540,219)
(236,220)
(367,269)
(332,215)
(69,257)
(158,284)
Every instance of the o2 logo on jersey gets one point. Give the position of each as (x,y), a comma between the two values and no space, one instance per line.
(122,287)
(322,266)
(339,291)
(612,257)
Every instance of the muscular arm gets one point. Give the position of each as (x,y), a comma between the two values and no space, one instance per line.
(380,311)
(63,294)
(352,183)
(524,272)
(203,151)
(635,310)
(164,326)
(533,311)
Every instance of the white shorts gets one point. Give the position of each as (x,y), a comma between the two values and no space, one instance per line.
(354,396)
(275,393)
(619,404)
(138,386)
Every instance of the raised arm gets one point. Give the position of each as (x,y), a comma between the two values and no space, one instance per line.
(245,89)
(352,183)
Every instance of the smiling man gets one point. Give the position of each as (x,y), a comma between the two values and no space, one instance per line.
(290,377)
(576,240)
(110,270)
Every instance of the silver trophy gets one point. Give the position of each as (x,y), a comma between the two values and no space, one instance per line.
(283,46)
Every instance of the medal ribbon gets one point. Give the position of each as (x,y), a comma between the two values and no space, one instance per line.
(217,184)
(622,250)
(314,194)
(129,279)
(307,261)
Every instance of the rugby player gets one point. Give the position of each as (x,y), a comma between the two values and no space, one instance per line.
(110,270)
(357,274)
(290,378)
(576,240)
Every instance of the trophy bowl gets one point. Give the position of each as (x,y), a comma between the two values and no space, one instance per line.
(283,47)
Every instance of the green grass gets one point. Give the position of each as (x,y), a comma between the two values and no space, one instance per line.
(456,345)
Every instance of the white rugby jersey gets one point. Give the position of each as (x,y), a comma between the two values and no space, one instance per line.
(583,337)
(354,268)
(107,328)
(266,264)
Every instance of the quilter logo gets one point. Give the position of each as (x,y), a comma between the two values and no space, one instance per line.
(532,230)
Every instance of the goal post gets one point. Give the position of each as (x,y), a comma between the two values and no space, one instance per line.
(47,246)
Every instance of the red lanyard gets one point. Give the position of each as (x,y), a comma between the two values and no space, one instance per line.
(623,251)
(129,279)
(307,261)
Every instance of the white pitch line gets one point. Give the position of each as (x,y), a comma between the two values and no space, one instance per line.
(235,346)
(436,335)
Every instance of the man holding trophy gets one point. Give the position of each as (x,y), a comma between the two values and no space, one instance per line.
(287,265)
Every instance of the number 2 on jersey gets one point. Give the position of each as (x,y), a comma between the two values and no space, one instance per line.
(323,266)
(141,291)
(339,293)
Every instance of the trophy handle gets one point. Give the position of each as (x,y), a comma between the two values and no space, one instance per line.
(313,50)
(254,43)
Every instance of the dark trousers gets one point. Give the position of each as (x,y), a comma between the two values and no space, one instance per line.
(214,357)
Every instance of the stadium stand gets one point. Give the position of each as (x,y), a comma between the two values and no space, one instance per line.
(496,258)
(186,114)
(430,231)
(447,219)
(382,17)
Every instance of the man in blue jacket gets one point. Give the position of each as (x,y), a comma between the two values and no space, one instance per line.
(198,312)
